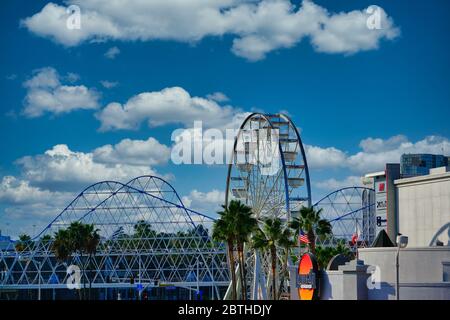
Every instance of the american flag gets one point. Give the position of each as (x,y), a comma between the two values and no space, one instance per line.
(303,237)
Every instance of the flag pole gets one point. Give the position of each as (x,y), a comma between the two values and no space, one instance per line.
(357,238)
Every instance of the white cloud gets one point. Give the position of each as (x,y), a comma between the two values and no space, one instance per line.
(258,27)
(48,182)
(63,169)
(348,32)
(218,96)
(375,153)
(334,184)
(72,77)
(45,93)
(392,149)
(371,145)
(16,191)
(109,84)
(27,205)
(112,53)
(43,78)
(205,202)
(319,158)
(168,106)
(133,152)
(32,218)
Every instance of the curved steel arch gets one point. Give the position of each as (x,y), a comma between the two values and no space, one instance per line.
(350,210)
(78,196)
(122,185)
(303,154)
(175,247)
(341,190)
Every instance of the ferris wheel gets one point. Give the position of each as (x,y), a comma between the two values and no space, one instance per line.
(269,173)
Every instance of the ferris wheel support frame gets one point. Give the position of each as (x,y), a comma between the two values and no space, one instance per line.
(259,281)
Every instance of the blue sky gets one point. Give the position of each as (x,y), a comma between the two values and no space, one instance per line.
(358,103)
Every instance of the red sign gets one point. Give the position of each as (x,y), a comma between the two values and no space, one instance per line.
(307,277)
(381,187)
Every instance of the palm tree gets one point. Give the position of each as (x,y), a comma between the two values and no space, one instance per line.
(341,248)
(325,253)
(235,226)
(245,224)
(83,238)
(46,239)
(78,237)
(314,226)
(267,239)
(91,244)
(23,243)
(286,242)
(144,236)
(62,246)
(223,232)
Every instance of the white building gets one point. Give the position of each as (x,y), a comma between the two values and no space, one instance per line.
(417,207)
(423,208)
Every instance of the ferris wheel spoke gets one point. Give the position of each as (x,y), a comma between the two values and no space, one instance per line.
(270,191)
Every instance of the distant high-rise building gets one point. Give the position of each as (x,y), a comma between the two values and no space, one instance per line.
(412,165)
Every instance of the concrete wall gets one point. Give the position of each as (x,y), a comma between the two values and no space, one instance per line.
(424,272)
(412,291)
(349,282)
(423,205)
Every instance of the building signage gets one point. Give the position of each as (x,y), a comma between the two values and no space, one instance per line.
(381,203)
(307,277)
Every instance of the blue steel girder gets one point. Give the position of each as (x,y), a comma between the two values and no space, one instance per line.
(350,210)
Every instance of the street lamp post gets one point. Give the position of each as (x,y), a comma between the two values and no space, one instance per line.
(402,242)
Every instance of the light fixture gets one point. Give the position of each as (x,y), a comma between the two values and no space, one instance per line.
(402,241)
